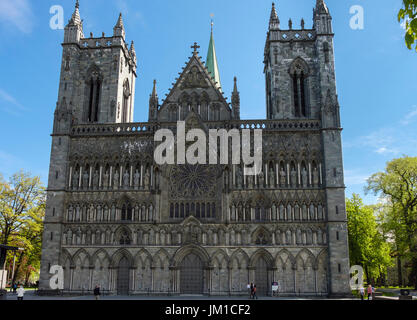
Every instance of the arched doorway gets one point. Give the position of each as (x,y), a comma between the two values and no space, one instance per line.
(261,277)
(192,275)
(123,277)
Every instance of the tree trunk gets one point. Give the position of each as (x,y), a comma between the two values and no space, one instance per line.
(413,273)
(19,262)
(400,272)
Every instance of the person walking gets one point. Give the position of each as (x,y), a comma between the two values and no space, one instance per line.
(251,291)
(97,292)
(370,292)
(254,292)
(362,292)
(20,293)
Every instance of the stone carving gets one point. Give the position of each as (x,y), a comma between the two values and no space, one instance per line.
(96,178)
(304,177)
(116,180)
(194,79)
(293,178)
(105,180)
(271,178)
(126,179)
(85,180)
(136,179)
(283,177)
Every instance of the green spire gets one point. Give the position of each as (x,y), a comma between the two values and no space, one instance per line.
(211,63)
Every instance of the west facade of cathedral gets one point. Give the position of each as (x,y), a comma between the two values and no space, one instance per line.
(116,218)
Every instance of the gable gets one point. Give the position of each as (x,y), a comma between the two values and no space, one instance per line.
(195,87)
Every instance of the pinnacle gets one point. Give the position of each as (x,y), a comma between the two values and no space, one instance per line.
(119,23)
(321,7)
(274,20)
(75,18)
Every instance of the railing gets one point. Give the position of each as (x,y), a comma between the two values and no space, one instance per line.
(294,35)
(149,127)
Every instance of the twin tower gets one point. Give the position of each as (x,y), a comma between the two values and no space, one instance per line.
(98,74)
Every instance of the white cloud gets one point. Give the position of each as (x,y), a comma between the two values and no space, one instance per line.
(385,150)
(18,13)
(10,104)
(410,116)
(355,178)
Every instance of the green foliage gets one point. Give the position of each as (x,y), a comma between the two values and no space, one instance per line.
(408,15)
(367,244)
(398,185)
(22,210)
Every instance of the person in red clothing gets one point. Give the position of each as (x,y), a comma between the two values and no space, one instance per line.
(254,292)
(370,292)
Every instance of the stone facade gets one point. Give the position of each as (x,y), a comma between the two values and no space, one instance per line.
(116,218)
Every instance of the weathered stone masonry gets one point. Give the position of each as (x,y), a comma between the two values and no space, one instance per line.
(117,219)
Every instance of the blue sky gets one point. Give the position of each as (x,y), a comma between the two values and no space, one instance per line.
(375,72)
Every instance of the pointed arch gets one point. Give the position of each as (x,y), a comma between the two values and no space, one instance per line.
(118,255)
(142,257)
(264,254)
(239,256)
(181,253)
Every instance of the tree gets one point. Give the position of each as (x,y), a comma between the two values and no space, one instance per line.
(408,15)
(367,244)
(22,209)
(18,200)
(398,185)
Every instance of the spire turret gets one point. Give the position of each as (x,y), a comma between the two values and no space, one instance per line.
(236,101)
(119,29)
(211,63)
(75,18)
(321,7)
(322,18)
(274,20)
(74,28)
(133,51)
(153,103)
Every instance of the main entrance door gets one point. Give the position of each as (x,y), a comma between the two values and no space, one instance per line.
(123,277)
(192,275)
(261,277)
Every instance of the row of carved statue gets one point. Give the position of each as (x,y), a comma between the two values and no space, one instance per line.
(286,236)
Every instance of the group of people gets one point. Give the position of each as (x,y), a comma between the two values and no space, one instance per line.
(252,290)
(370,291)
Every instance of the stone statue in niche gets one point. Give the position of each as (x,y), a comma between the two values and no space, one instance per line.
(271,178)
(116,181)
(249,180)
(85,180)
(261,179)
(147,179)
(136,179)
(304,177)
(293,178)
(105,180)
(126,179)
(75,180)
(315,175)
(283,177)
(96,178)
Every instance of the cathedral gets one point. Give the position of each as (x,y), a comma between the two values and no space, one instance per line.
(117,219)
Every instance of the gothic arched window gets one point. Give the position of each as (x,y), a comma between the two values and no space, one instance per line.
(126,104)
(127,212)
(94,81)
(299,72)
(124,238)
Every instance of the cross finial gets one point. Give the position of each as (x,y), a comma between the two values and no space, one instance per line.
(195,47)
